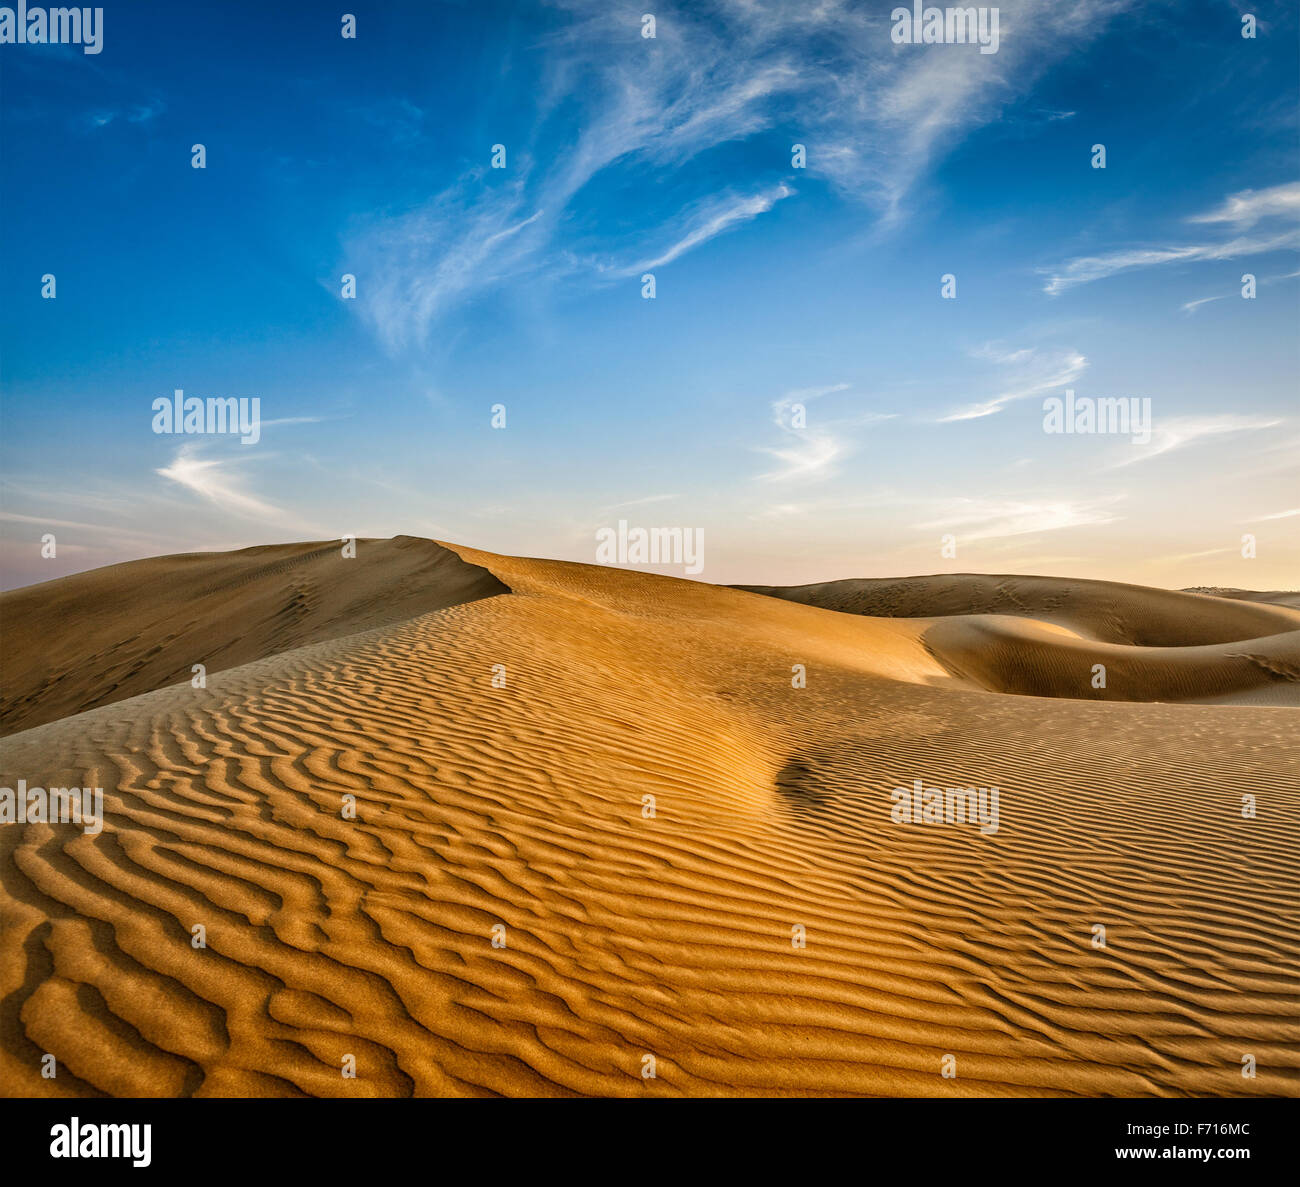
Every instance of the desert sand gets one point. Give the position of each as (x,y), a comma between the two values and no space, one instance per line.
(613,775)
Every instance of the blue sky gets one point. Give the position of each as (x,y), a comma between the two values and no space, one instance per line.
(774,285)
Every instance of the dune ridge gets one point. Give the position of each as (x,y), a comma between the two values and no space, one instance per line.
(500,747)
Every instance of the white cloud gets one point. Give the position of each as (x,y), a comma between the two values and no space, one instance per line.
(995,518)
(812,455)
(1245,209)
(212,479)
(1191,556)
(1087,269)
(100,530)
(812,452)
(783,406)
(1279,515)
(1178,432)
(1030,373)
(1240,212)
(1192,306)
(716,218)
(426,261)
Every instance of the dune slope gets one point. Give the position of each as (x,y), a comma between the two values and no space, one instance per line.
(598,822)
(100,637)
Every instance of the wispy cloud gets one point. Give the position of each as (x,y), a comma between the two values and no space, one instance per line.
(1179,432)
(783,406)
(812,448)
(812,454)
(1240,212)
(139,113)
(873,120)
(995,518)
(1245,209)
(1086,269)
(215,480)
(99,530)
(1288,514)
(1192,306)
(1191,556)
(638,502)
(1029,373)
(719,215)
(448,252)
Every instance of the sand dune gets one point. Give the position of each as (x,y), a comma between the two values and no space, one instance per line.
(1041,636)
(483,804)
(1278,597)
(71,646)
(1036,659)
(1104,610)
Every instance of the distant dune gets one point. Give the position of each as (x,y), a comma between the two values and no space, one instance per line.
(1104,610)
(616,778)
(1041,636)
(1278,596)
